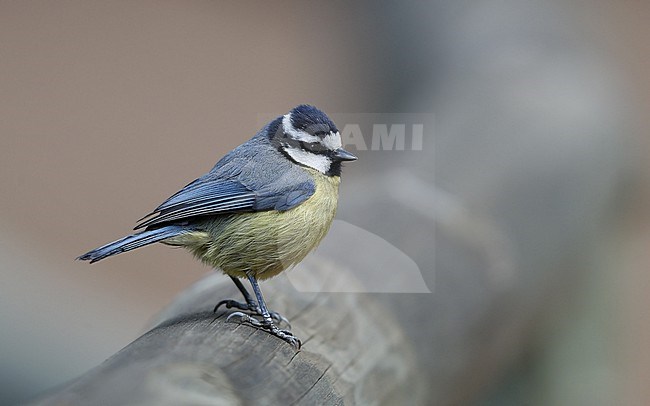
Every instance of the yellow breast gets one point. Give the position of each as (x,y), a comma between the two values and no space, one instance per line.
(267,242)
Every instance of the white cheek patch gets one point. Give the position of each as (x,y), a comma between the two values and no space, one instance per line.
(295,133)
(319,162)
(332,141)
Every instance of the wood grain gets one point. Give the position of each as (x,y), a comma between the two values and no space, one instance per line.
(353,353)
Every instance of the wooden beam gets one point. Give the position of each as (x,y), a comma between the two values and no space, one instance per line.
(353,352)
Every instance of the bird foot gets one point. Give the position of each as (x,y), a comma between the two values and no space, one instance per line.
(266,324)
(251,307)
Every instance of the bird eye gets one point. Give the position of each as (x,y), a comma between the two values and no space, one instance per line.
(315,147)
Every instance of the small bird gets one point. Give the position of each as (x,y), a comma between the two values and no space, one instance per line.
(259,211)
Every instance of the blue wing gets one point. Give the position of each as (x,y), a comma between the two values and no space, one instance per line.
(240,182)
(201,198)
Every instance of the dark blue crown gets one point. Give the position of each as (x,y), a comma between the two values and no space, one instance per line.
(310,119)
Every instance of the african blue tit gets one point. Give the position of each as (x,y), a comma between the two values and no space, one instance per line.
(260,210)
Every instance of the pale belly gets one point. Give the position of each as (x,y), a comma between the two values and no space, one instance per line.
(265,243)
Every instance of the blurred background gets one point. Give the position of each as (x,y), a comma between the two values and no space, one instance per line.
(533,179)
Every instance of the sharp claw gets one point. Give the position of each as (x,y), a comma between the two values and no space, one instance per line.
(291,339)
(250,307)
(241,315)
(244,318)
(223,302)
(285,335)
(266,325)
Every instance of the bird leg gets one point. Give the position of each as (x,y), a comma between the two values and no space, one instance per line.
(250,305)
(267,320)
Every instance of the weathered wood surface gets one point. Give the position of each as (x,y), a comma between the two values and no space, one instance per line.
(352,353)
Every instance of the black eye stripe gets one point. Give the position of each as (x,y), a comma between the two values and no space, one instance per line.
(315,147)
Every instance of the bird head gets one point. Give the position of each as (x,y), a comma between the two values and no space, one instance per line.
(309,138)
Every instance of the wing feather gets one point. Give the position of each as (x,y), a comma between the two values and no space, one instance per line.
(252,177)
(202,197)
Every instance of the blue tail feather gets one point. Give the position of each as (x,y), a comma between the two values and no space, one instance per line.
(131,242)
